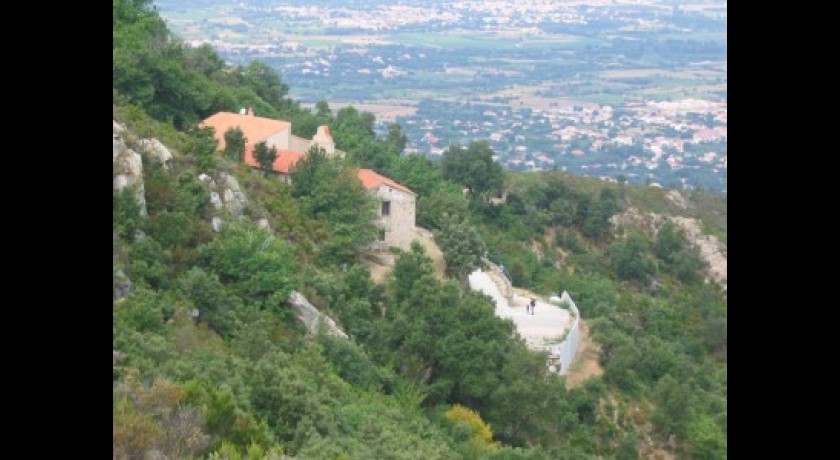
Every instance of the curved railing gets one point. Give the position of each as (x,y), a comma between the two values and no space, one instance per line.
(561,354)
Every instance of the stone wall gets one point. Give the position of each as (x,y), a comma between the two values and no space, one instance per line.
(399,224)
(501,279)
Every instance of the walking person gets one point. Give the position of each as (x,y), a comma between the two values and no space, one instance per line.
(533,305)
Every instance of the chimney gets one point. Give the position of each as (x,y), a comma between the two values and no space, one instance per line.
(323,138)
(250,111)
(324,130)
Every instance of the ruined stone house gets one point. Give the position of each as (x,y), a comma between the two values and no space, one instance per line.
(396,208)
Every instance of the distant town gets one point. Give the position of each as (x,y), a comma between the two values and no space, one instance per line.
(607,88)
(648,142)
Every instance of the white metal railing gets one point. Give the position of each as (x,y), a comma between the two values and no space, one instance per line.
(564,352)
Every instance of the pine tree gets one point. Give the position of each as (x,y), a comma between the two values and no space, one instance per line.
(265,156)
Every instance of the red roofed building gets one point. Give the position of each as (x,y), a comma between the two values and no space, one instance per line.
(396,208)
(396,212)
(283,164)
(275,133)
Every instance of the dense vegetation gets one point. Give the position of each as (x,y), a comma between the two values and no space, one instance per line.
(211,363)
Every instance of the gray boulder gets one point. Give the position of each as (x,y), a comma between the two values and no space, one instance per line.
(119,128)
(312,318)
(207,181)
(216,201)
(128,166)
(158,150)
(217,224)
(123,285)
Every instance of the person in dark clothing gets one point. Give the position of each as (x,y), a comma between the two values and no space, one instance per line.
(533,305)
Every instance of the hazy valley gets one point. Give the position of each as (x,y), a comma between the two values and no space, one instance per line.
(602,88)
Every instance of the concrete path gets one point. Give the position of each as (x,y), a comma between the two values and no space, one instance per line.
(547,322)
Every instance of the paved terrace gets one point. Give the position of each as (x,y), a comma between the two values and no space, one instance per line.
(540,329)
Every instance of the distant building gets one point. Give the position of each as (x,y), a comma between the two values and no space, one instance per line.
(396,213)
(396,208)
(275,133)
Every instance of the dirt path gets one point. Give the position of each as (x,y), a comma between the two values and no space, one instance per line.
(384,263)
(432,250)
(378,271)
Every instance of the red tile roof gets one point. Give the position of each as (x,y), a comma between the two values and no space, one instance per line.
(282,164)
(370,179)
(286,159)
(255,129)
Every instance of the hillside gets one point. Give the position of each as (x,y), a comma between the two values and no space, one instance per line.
(246,324)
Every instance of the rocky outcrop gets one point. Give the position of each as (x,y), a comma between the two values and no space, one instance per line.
(128,167)
(234,199)
(676,197)
(648,222)
(216,201)
(313,319)
(208,181)
(226,194)
(711,249)
(158,150)
(118,356)
(217,224)
(122,285)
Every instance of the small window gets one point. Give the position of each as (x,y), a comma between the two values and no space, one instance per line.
(386,208)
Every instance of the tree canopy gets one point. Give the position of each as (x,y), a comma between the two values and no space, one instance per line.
(474,168)
(265,156)
(330,191)
(235,142)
